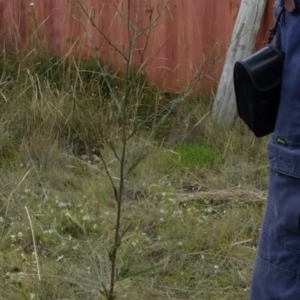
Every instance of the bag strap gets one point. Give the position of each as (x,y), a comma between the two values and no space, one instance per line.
(273,30)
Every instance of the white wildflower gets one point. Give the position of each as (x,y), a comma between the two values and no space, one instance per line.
(209,210)
(86,218)
(95,158)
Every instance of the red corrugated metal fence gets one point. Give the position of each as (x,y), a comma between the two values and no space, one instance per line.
(188,34)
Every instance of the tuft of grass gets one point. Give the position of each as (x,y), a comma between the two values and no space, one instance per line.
(195,154)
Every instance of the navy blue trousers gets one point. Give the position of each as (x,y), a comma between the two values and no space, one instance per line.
(276,273)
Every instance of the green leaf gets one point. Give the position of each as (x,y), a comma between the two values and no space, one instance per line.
(123,273)
(104,291)
(112,253)
(125,230)
(128,274)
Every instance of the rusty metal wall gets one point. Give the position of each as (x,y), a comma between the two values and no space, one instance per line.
(188,35)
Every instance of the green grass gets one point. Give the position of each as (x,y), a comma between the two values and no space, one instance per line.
(192,234)
(196,154)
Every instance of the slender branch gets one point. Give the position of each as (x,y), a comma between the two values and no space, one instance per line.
(123,158)
(119,11)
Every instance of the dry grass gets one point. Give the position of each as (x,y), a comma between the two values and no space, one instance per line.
(194,201)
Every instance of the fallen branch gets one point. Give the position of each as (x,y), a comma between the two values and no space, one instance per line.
(223,196)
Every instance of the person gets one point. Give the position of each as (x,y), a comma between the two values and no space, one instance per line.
(276,273)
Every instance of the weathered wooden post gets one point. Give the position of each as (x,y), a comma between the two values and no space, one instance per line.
(242,44)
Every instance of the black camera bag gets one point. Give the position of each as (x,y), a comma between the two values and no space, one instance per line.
(257,84)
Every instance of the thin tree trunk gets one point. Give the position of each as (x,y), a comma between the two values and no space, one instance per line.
(242,44)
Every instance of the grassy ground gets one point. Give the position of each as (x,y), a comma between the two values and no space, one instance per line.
(194,203)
